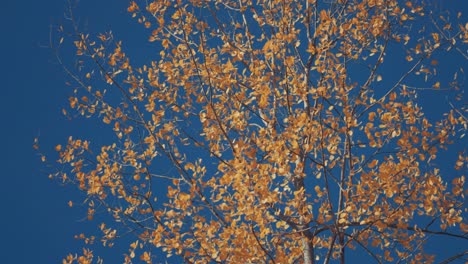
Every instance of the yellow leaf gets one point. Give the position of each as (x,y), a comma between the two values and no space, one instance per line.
(145,257)
(184,196)
(280,224)
(189,166)
(134,244)
(373,164)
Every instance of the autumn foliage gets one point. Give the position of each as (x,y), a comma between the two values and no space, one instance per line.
(274,132)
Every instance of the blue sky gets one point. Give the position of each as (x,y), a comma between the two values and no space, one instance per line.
(38,224)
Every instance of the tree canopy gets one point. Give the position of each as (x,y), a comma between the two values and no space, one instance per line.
(274,132)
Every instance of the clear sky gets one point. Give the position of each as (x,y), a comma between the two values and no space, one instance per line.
(38,224)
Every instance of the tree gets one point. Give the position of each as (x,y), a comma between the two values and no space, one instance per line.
(276,132)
